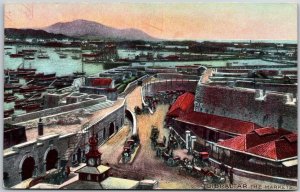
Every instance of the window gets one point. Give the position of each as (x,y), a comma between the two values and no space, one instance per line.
(104,130)
(5,176)
(88,177)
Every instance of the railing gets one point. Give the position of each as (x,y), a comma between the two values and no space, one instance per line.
(131,86)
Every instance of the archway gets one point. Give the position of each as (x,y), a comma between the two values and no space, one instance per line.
(51,159)
(104,133)
(111,128)
(28,168)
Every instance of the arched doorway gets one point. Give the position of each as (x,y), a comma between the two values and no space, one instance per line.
(104,133)
(51,159)
(28,168)
(111,128)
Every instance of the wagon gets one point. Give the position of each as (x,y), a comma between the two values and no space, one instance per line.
(154,133)
(201,159)
(137,110)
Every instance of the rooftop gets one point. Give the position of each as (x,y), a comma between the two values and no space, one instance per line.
(93,170)
(119,183)
(271,143)
(32,134)
(83,185)
(256,137)
(277,150)
(101,82)
(183,104)
(225,124)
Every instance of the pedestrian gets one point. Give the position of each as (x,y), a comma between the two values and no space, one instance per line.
(222,167)
(231,175)
(68,171)
(164,140)
(226,170)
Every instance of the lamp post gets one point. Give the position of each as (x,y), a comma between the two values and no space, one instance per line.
(205,182)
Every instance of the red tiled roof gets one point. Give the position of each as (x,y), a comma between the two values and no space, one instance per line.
(277,150)
(101,82)
(293,137)
(234,126)
(236,143)
(246,141)
(265,131)
(183,104)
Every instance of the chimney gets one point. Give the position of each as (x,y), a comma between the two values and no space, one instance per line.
(193,139)
(40,127)
(187,138)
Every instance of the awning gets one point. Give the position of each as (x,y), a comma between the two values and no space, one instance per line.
(257,161)
(290,163)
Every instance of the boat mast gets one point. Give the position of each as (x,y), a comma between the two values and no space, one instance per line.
(82,65)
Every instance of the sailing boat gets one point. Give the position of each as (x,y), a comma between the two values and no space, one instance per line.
(22,67)
(78,73)
(62,55)
(42,55)
(17,54)
(76,57)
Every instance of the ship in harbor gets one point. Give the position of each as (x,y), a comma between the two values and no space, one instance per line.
(167,110)
(43,55)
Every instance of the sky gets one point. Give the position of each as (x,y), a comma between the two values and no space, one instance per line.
(197,21)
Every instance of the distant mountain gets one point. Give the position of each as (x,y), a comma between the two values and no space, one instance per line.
(31,33)
(84,28)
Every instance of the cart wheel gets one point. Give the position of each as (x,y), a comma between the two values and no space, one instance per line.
(170,162)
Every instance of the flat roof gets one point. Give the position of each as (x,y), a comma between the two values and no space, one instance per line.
(86,185)
(32,134)
(45,186)
(93,170)
(290,163)
(23,184)
(119,183)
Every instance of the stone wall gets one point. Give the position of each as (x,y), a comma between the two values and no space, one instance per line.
(284,88)
(65,145)
(233,70)
(160,70)
(131,86)
(272,80)
(102,126)
(167,85)
(13,161)
(111,94)
(265,109)
(177,76)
